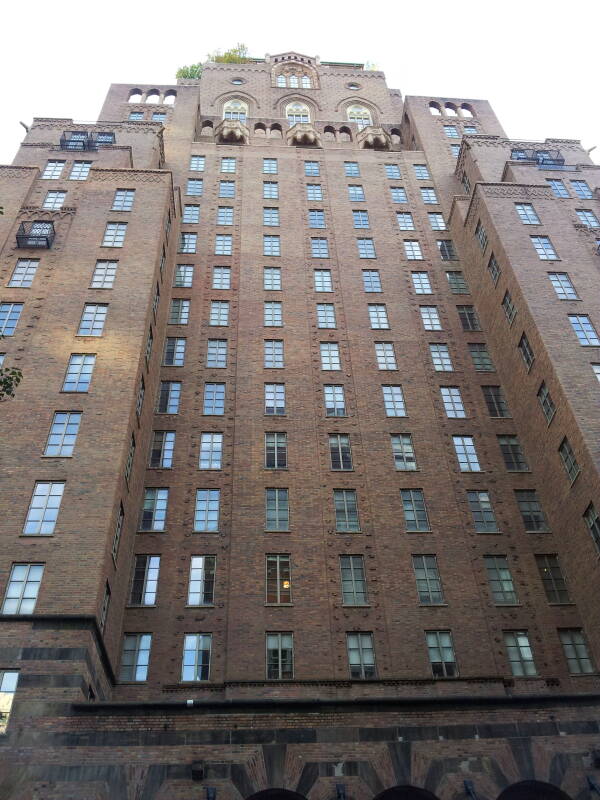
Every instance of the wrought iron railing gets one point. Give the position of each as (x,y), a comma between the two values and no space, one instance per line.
(77,140)
(35,234)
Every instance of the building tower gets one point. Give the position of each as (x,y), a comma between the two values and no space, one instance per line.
(301,485)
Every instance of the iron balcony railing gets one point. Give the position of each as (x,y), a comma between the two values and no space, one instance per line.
(35,234)
(543,158)
(77,140)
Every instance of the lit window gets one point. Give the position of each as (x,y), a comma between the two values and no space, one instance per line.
(145,580)
(154,510)
(195,665)
(197,163)
(371,280)
(63,433)
(452,400)
(275,450)
(123,200)
(431,318)
(201,587)
(543,247)
(526,213)
(214,399)
(440,357)
(495,401)
(79,372)
(211,451)
(398,194)
(271,246)
(584,330)
(512,453)
(558,188)
(219,313)
(22,589)
(568,459)
(464,447)
(206,513)
(403,452)
(161,450)
(480,506)
(224,215)
(576,651)
(271,218)
(354,583)
(412,249)
(356,193)
(270,166)
(361,219)
(436,221)
(54,200)
(415,511)
(385,355)
(427,576)
(135,657)
(326,315)
(322,280)
(582,190)
(24,273)
(428,196)
(114,235)
(168,397)
(392,171)
(500,579)
(346,511)
(272,279)
(330,356)
(280,656)
(273,314)
(351,169)
(53,170)
(519,653)
(441,654)
(216,353)
(273,354)
(361,656)
(311,168)
(221,278)
(468,318)
(80,170)
(277,510)
(275,398)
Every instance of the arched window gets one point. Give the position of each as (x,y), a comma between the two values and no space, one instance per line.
(152,96)
(360,115)
(466,110)
(434,108)
(297,112)
(281,81)
(306,82)
(450,110)
(135,96)
(170,98)
(235,109)
(294,81)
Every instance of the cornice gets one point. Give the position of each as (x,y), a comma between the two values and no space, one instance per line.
(36,212)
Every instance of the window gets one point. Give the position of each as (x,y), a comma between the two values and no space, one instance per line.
(582,190)
(277,510)
(63,433)
(421,283)
(174,352)
(330,356)
(371,280)
(415,511)
(271,245)
(225,217)
(361,656)
(79,372)
(393,400)
(201,588)
(469,129)
(532,514)
(24,273)
(428,196)
(468,318)
(546,402)
(145,580)
(351,169)
(297,112)
(543,247)
(441,654)
(136,116)
(226,188)
(270,166)
(273,314)
(161,450)
(187,242)
(436,221)
(216,353)
(451,132)
(378,316)
(568,459)
(280,656)
(92,319)
(576,651)
(562,285)
(271,218)
(325,315)
(494,269)
(464,447)
(385,355)
(392,171)
(457,283)
(316,218)
(311,168)
(584,330)
(279,583)
(592,520)
(54,200)
(158,116)
(223,244)
(366,248)
(340,452)
(558,188)
(135,658)
(271,190)
(354,586)
(211,451)
(53,170)
(412,249)
(271,279)
(455,150)
(179,312)
(22,589)
(452,400)
(360,219)
(405,220)
(512,453)
(398,194)
(235,109)
(335,402)
(519,654)
(196,163)
(194,187)
(526,214)
(221,277)
(273,353)
(196,657)
(168,397)
(276,450)
(214,399)
(356,192)
(322,278)
(80,170)
(427,576)
(219,313)
(495,401)
(319,248)
(448,253)
(403,452)
(191,215)
(123,200)
(421,172)
(553,580)
(596,368)
(481,235)
(140,396)
(480,506)
(228,165)
(275,398)
(500,579)
(154,510)
(440,357)
(346,511)
(114,235)
(206,512)
(360,116)
(431,318)
(526,351)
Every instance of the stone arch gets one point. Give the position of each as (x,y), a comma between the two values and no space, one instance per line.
(207,128)
(135,96)
(435,109)
(275,131)
(276,794)
(345,134)
(533,790)
(405,792)
(152,96)
(329,134)
(170,97)
(450,110)
(260,129)
(396,136)
(466,110)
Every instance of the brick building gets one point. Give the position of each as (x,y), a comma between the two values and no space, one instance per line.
(301,486)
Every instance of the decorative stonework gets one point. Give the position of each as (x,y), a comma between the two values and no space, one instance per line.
(303,133)
(232,131)
(139,175)
(38,213)
(518,190)
(7,171)
(373,138)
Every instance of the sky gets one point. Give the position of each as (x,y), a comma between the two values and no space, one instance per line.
(536,62)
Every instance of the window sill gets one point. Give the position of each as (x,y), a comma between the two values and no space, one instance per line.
(433,605)
(159,467)
(274,605)
(35,535)
(356,605)
(173,365)
(202,605)
(276,530)
(132,605)
(45,456)
(275,469)
(139,530)
(348,532)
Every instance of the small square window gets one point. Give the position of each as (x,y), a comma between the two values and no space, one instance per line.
(311,168)
(371,280)
(356,193)
(398,194)
(351,169)
(271,279)
(270,166)
(392,171)
(322,280)
(226,188)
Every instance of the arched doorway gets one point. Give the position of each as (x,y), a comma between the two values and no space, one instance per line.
(405,793)
(533,790)
(276,794)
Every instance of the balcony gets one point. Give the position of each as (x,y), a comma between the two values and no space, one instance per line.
(545,159)
(77,140)
(35,234)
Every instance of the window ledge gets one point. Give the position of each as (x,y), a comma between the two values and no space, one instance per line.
(139,530)
(203,605)
(276,531)
(44,456)
(35,536)
(433,605)
(132,605)
(275,605)
(356,605)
